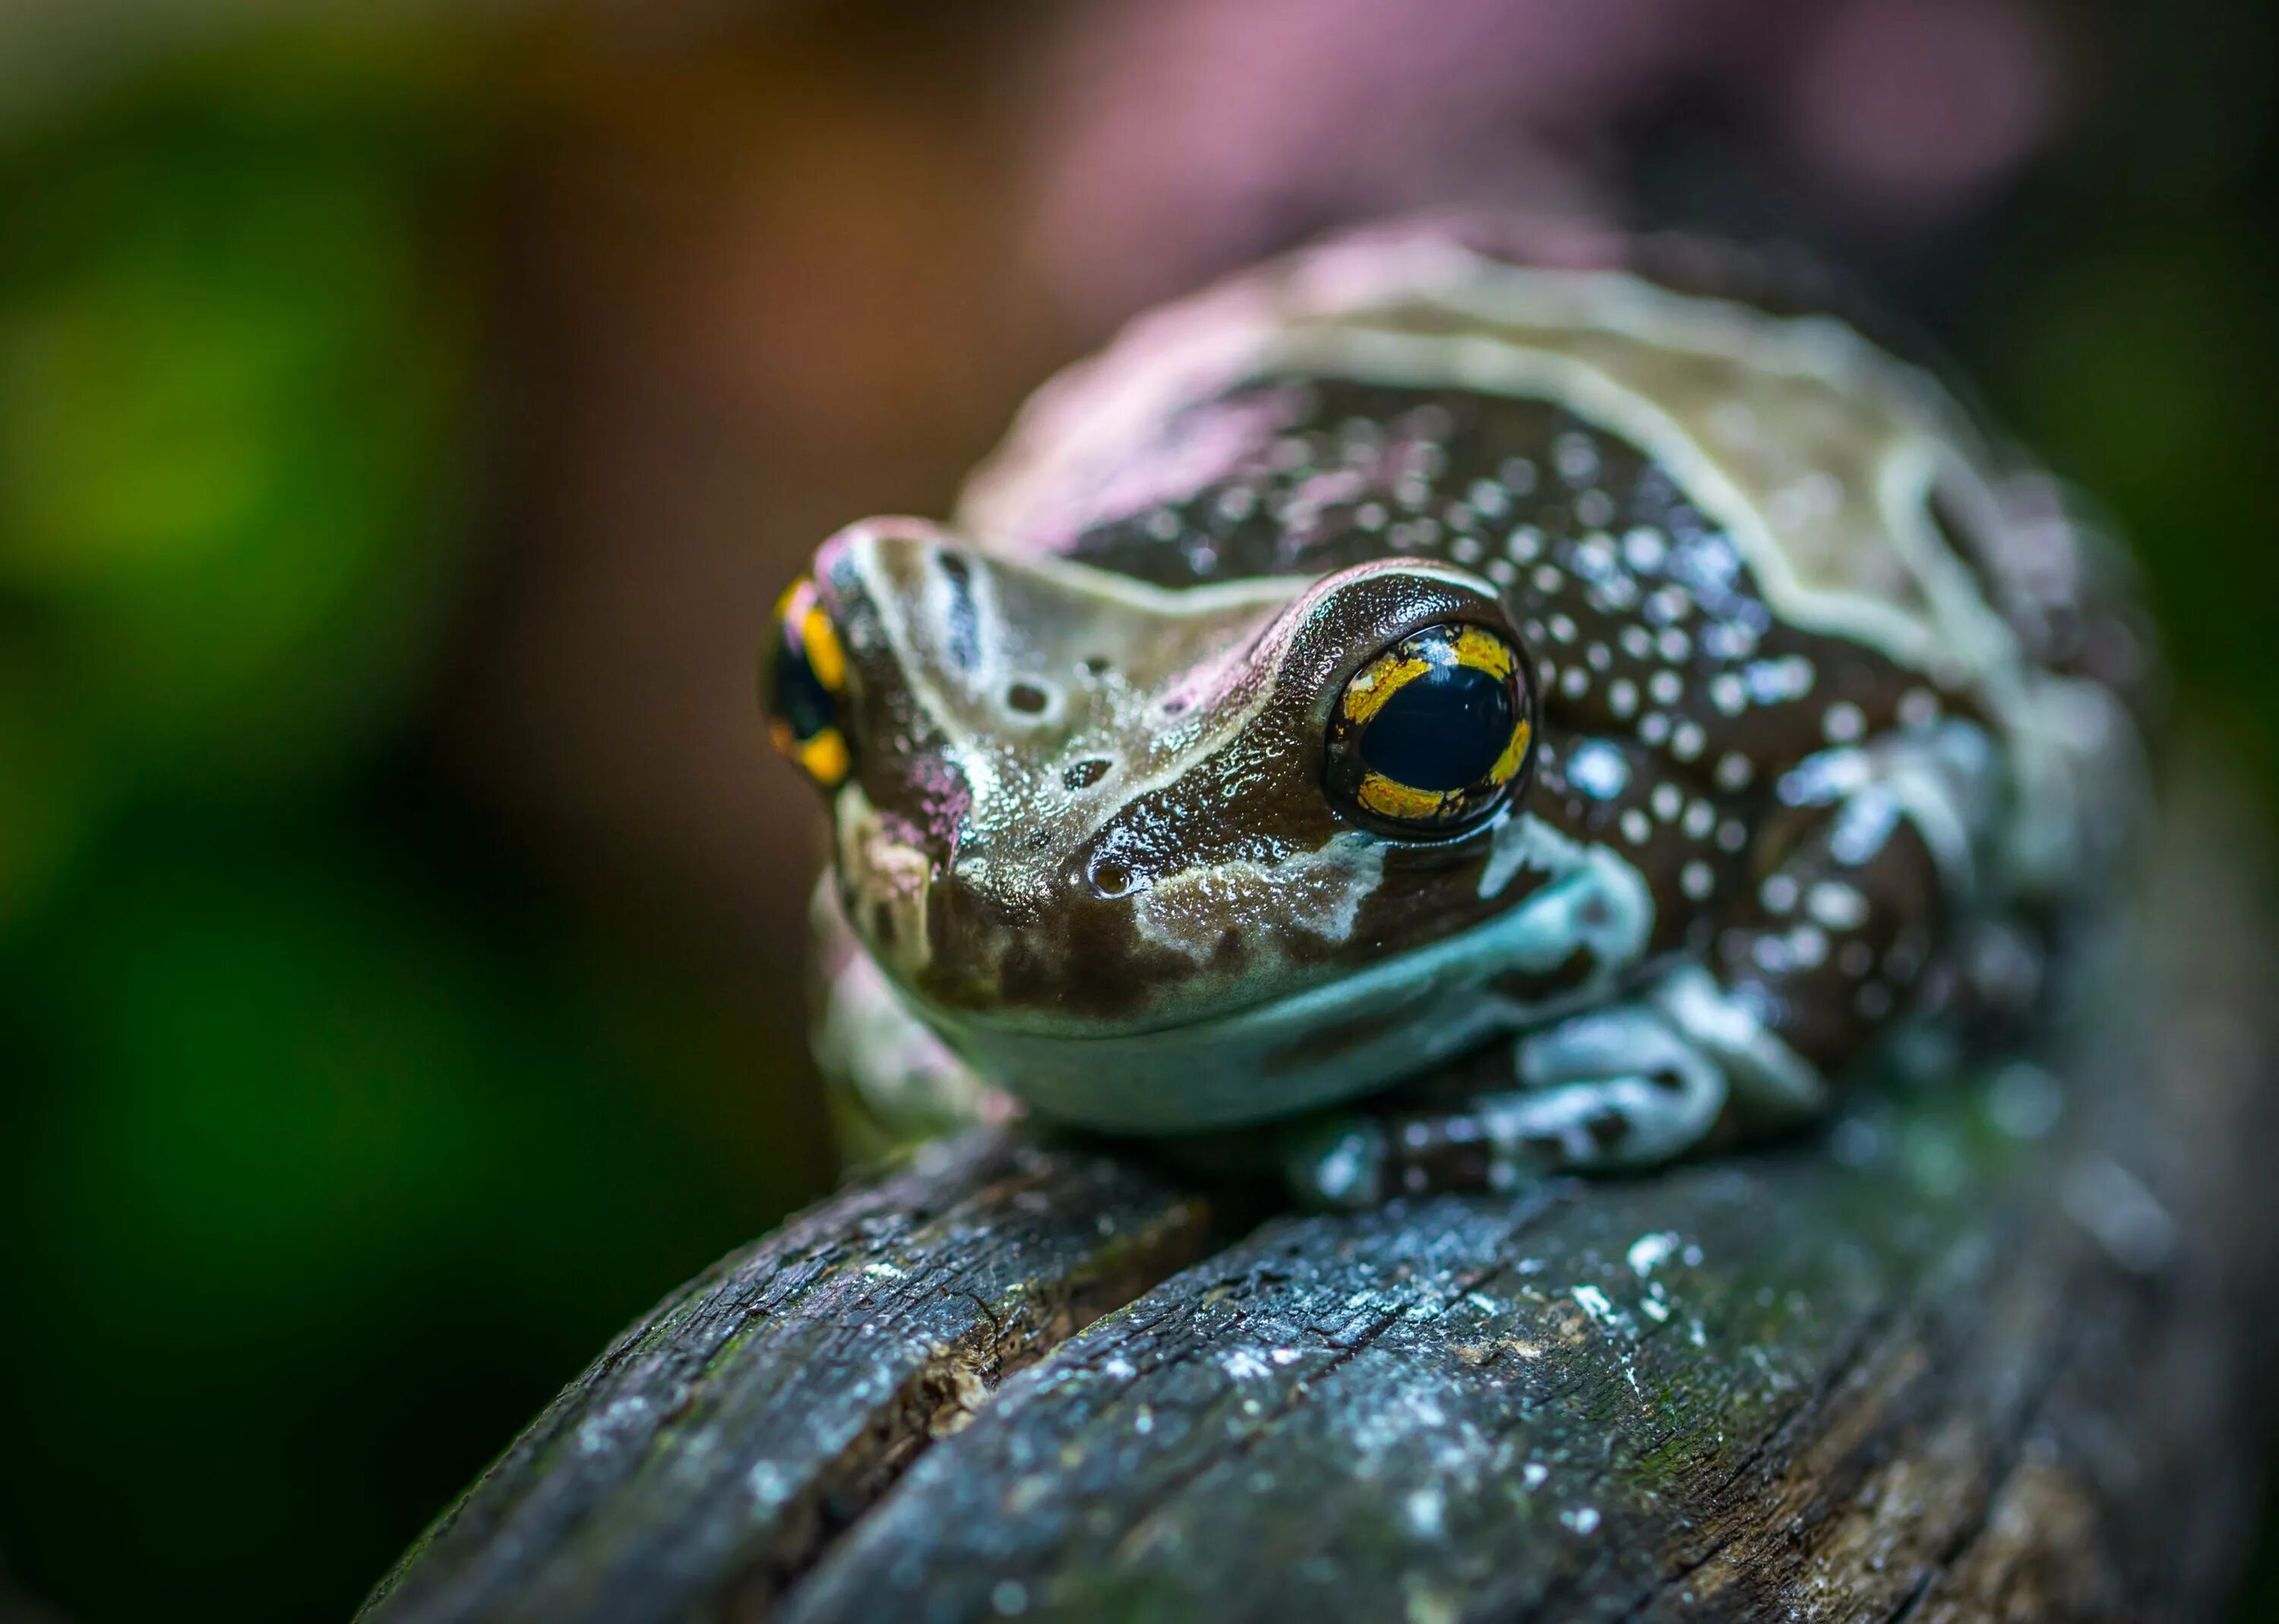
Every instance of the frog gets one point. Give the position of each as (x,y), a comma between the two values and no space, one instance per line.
(1437,714)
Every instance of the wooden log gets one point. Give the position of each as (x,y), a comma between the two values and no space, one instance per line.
(1985,1350)
(706,1457)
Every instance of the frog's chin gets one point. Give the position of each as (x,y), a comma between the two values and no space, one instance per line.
(1570,945)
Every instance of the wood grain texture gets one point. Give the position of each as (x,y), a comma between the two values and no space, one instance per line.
(1987,1350)
(701,1462)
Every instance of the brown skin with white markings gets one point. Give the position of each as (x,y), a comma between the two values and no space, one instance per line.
(1088,791)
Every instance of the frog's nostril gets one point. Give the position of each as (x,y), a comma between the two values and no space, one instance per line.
(1027,698)
(1085,774)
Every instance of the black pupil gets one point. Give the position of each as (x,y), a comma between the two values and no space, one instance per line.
(798,696)
(1444,730)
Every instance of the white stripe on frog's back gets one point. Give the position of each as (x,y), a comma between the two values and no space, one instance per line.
(1815,450)
(1352,1036)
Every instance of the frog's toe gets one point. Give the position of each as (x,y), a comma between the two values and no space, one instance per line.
(1613,1088)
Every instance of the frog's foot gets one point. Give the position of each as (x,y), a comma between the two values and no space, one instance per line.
(1621,1087)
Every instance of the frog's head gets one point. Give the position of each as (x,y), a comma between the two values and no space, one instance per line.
(1066,802)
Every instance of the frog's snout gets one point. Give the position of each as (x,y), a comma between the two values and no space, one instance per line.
(1033,936)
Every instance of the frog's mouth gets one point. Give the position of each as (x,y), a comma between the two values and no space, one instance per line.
(1568,945)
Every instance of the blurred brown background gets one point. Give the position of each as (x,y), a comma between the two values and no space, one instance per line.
(408,414)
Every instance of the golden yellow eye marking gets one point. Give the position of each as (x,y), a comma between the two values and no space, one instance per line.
(810,646)
(1388,799)
(825,657)
(824,757)
(1514,754)
(1378,681)
(1483,651)
(810,631)
(1386,676)
(1373,687)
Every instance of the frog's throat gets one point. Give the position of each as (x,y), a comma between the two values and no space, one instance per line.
(1568,945)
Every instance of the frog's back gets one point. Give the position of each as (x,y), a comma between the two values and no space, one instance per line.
(1285,422)
(1428,391)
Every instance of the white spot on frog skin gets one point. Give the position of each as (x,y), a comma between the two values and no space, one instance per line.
(1533,1474)
(1598,769)
(1244,1364)
(1836,906)
(1340,1173)
(1581,1518)
(1770,681)
(1919,708)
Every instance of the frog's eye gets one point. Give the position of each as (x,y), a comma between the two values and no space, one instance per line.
(806,683)
(1431,733)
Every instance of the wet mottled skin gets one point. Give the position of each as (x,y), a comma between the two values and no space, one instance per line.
(1767,691)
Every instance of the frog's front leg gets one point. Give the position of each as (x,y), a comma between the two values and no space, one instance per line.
(1618,1087)
(892,1080)
(1777,990)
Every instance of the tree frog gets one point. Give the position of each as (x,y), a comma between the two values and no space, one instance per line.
(1458,714)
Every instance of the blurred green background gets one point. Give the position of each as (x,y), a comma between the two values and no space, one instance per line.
(407,415)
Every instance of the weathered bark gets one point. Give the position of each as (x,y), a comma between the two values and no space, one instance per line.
(708,1456)
(1986,1351)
